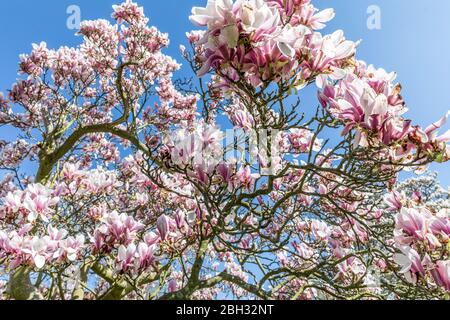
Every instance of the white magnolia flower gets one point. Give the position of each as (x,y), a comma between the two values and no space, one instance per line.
(257,15)
(335,46)
(216,12)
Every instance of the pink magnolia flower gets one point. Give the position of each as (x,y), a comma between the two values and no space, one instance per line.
(245,178)
(173,286)
(163,225)
(180,219)
(241,118)
(320,229)
(442,274)
(350,267)
(410,263)
(151,238)
(290,40)
(336,47)
(146,255)
(440,226)
(257,16)
(56,234)
(412,222)
(215,13)
(13,201)
(394,200)
(71,247)
(303,250)
(38,201)
(226,173)
(316,20)
(37,249)
(119,228)
(126,257)
(301,140)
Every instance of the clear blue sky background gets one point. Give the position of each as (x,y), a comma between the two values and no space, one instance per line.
(414,41)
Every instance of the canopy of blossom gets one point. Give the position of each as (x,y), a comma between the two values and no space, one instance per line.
(225,185)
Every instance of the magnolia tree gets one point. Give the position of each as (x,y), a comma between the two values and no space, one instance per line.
(127,184)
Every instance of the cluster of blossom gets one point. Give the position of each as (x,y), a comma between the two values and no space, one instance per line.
(116,229)
(132,258)
(320,242)
(35,202)
(267,40)
(364,98)
(78,181)
(422,237)
(122,232)
(234,268)
(11,155)
(21,248)
(201,151)
(135,259)
(132,168)
(201,147)
(97,146)
(38,206)
(7,184)
(92,71)
(367,100)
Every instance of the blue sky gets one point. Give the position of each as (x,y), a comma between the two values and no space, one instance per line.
(413,40)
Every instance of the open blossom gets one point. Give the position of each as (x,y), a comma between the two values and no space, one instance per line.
(135,259)
(442,274)
(116,228)
(100,181)
(215,13)
(394,200)
(37,250)
(126,257)
(201,147)
(420,236)
(412,222)
(411,264)
(320,229)
(38,206)
(246,178)
(258,15)
(370,102)
(13,201)
(146,255)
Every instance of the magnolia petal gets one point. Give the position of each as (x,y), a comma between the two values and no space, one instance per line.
(39,261)
(325,15)
(286,49)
